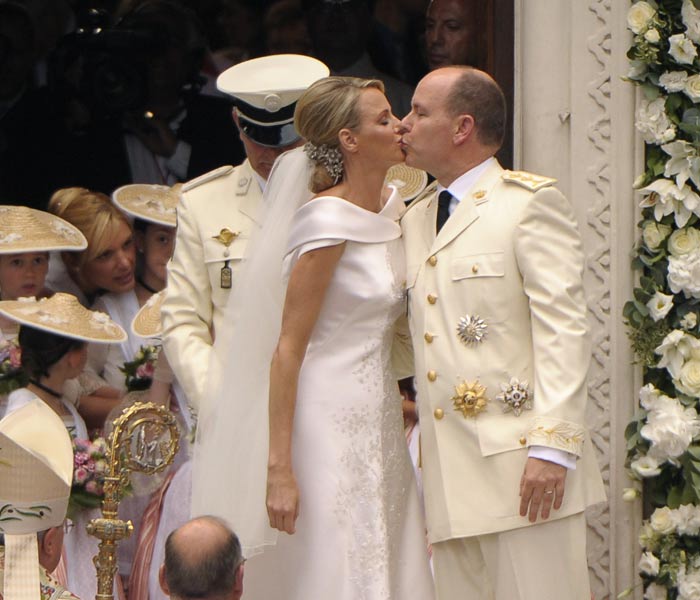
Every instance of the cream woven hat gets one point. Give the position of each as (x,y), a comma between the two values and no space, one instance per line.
(24,229)
(409,182)
(62,314)
(36,472)
(147,322)
(152,203)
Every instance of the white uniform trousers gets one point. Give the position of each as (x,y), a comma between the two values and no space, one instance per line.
(542,562)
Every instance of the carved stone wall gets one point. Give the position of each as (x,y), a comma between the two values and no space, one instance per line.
(574,121)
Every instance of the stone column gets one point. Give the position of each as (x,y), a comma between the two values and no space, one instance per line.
(575,121)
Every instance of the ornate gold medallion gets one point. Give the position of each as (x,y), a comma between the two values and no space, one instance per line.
(515,396)
(226,236)
(472,329)
(470,398)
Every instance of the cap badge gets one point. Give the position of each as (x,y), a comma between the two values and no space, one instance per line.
(226,236)
(272,103)
(470,398)
(472,329)
(515,396)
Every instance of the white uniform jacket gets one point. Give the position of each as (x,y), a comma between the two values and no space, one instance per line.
(225,199)
(508,261)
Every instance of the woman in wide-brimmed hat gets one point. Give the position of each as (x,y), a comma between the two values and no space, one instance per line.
(108,262)
(152,207)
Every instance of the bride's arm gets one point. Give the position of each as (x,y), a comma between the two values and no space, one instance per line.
(305,293)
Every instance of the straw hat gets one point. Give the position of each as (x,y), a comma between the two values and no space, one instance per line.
(24,229)
(152,203)
(409,182)
(147,322)
(36,472)
(62,314)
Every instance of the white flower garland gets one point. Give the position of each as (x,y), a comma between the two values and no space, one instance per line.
(664,438)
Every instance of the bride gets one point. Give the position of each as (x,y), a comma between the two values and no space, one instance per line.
(334,474)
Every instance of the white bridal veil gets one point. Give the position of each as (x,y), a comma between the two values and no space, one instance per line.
(229,474)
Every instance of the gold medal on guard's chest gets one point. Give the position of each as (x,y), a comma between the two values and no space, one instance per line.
(226,237)
(226,277)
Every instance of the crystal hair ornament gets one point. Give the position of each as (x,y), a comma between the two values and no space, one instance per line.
(329,156)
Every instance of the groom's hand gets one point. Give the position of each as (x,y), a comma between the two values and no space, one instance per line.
(541,487)
(282,499)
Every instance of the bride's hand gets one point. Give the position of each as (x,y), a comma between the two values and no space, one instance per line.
(282,499)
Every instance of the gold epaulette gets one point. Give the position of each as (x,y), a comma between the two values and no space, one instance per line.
(210,176)
(527,180)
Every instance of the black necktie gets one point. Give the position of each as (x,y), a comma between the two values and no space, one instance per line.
(443,212)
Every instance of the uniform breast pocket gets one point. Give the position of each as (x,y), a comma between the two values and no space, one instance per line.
(222,265)
(483,279)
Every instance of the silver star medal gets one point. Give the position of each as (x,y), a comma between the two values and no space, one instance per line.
(472,329)
(515,396)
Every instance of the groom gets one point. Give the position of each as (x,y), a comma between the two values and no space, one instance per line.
(498,321)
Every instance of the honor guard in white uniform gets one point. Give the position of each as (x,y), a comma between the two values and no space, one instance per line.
(498,322)
(219,210)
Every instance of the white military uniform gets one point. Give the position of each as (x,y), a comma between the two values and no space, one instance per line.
(216,216)
(507,266)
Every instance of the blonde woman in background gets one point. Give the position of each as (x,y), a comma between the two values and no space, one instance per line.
(106,265)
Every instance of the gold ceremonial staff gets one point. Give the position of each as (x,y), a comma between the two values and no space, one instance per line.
(145,439)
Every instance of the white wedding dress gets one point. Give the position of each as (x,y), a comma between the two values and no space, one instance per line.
(360,532)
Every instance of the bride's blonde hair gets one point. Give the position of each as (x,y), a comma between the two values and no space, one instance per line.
(329,105)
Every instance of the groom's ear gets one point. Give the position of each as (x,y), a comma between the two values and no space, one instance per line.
(347,139)
(464,128)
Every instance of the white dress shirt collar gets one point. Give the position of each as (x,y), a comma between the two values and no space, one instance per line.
(460,186)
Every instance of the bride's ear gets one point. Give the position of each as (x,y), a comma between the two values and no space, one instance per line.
(348,140)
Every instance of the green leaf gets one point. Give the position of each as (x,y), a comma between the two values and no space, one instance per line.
(694,452)
(648,284)
(674,498)
(641,308)
(673,102)
(642,296)
(695,479)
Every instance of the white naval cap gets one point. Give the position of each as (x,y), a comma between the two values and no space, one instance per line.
(265,91)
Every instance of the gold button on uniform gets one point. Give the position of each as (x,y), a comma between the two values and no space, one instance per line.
(475,268)
(432,298)
(432,375)
(439,413)
(432,260)
(428,337)
(523,441)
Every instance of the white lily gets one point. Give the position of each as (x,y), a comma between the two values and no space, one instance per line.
(684,162)
(666,197)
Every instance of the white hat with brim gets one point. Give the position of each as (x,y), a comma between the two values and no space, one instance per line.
(36,473)
(408,181)
(153,203)
(62,314)
(147,321)
(265,91)
(24,229)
